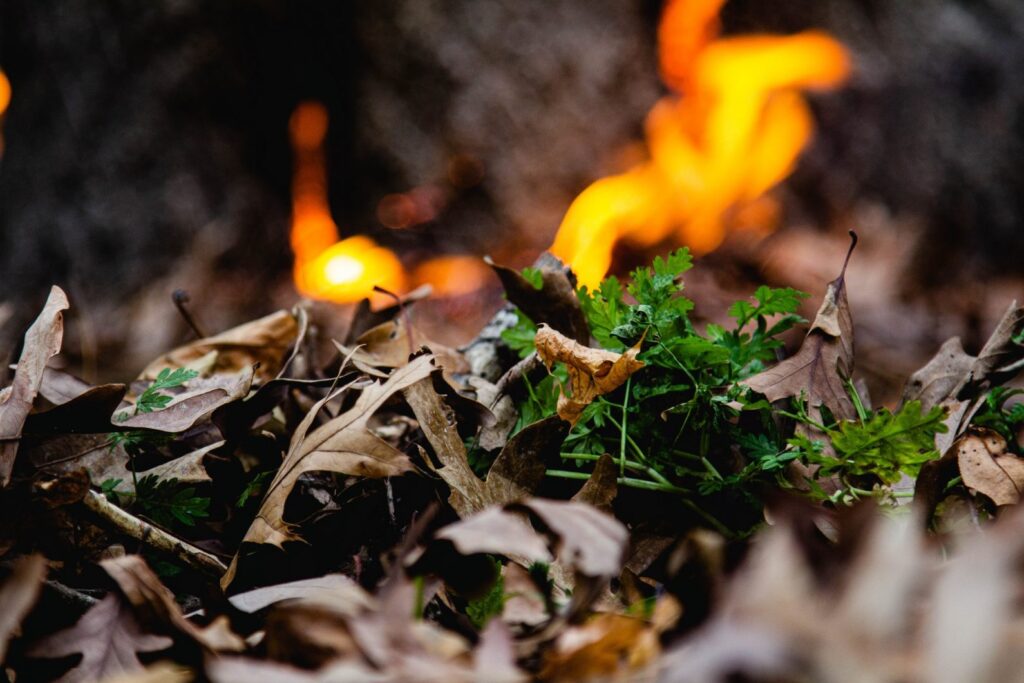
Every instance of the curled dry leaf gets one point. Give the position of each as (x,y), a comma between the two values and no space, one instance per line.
(987,467)
(17,596)
(265,341)
(498,532)
(940,377)
(42,342)
(390,344)
(331,588)
(203,396)
(108,637)
(824,361)
(554,304)
(187,469)
(343,444)
(592,372)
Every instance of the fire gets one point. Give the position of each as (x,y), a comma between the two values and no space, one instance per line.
(327,267)
(733,131)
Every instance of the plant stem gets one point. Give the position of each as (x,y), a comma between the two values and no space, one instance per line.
(629,482)
(622,430)
(629,464)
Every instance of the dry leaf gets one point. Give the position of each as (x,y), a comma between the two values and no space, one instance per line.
(343,444)
(825,359)
(108,637)
(600,489)
(389,345)
(17,596)
(161,672)
(988,468)
(516,472)
(591,541)
(42,342)
(497,532)
(555,304)
(154,606)
(592,372)
(187,469)
(940,377)
(203,396)
(265,341)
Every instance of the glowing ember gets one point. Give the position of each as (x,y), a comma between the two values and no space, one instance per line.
(453,275)
(734,132)
(5,92)
(326,268)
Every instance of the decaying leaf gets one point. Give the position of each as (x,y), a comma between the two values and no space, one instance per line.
(497,532)
(42,342)
(108,637)
(264,341)
(188,468)
(331,588)
(517,470)
(940,377)
(554,304)
(824,361)
(202,397)
(988,467)
(18,594)
(602,486)
(592,372)
(343,444)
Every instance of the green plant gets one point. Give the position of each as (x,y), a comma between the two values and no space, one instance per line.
(167,502)
(152,397)
(996,415)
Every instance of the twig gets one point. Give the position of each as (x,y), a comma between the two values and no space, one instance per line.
(180,298)
(154,537)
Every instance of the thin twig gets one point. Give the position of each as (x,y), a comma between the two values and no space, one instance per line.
(154,537)
(180,298)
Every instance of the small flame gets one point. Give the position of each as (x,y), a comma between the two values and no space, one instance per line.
(326,267)
(734,131)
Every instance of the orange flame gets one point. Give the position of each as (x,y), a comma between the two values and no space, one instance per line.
(326,268)
(734,132)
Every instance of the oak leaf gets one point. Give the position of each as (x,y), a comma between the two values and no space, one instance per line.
(42,342)
(108,637)
(342,444)
(824,361)
(202,397)
(592,372)
(18,594)
(987,467)
(554,303)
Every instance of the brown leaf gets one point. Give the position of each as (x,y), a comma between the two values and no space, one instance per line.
(602,486)
(497,532)
(265,341)
(154,605)
(591,541)
(187,469)
(988,468)
(18,594)
(203,396)
(606,647)
(1001,358)
(824,360)
(108,637)
(42,342)
(517,471)
(592,372)
(555,304)
(937,380)
(343,444)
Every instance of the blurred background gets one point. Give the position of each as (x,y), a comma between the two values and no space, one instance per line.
(256,152)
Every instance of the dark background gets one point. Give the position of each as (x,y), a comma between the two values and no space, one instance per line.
(146,143)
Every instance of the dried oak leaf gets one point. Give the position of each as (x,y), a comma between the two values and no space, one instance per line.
(825,359)
(592,372)
(42,342)
(987,467)
(18,594)
(554,304)
(390,344)
(203,396)
(336,589)
(516,472)
(265,341)
(108,637)
(343,444)
(940,376)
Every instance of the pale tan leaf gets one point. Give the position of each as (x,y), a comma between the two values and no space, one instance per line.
(988,467)
(936,381)
(265,341)
(498,532)
(592,372)
(590,540)
(187,469)
(42,342)
(332,588)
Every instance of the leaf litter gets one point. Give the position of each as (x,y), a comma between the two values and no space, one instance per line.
(636,499)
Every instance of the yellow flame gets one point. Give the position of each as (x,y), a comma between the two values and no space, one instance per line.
(326,268)
(453,275)
(734,132)
(5,92)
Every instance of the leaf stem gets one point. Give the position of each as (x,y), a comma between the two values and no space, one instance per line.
(622,430)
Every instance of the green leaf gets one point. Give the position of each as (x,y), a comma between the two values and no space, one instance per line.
(166,502)
(534,277)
